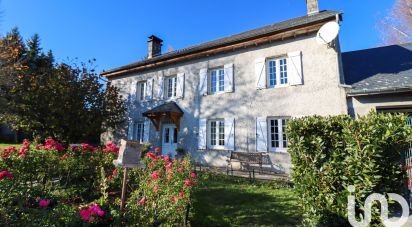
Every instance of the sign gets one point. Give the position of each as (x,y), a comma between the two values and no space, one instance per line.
(129,154)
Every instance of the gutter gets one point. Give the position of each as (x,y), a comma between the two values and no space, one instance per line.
(379,92)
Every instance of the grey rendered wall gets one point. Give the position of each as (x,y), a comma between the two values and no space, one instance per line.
(320,94)
(362,105)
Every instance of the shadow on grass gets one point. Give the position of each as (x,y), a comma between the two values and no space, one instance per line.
(237,203)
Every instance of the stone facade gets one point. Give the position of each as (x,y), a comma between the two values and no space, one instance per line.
(320,94)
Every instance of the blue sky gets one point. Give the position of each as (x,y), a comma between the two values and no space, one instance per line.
(115,32)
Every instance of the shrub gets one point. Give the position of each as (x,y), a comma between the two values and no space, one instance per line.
(331,153)
(164,191)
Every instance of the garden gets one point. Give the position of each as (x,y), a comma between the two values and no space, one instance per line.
(49,184)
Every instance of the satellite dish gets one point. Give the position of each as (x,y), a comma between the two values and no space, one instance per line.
(327,33)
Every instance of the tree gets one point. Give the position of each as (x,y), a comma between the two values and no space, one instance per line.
(396,27)
(44,98)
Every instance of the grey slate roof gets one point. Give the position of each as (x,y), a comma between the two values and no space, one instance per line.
(379,70)
(166,107)
(277,27)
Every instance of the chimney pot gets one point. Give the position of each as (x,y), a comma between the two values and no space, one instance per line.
(313,6)
(154,46)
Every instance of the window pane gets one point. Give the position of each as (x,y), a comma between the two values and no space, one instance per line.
(134,131)
(221,80)
(272,73)
(139,132)
(174,86)
(213,133)
(213,82)
(272,133)
(142,91)
(175,135)
(221,133)
(276,132)
(169,87)
(283,71)
(167,133)
(284,138)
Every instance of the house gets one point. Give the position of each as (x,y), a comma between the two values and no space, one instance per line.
(235,93)
(380,79)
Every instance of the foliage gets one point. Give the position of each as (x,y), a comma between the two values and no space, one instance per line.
(45,98)
(163,193)
(331,153)
(50,185)
(234,201)
(396,27)
(45,184)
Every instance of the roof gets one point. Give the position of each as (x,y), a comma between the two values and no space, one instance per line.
(170,107)
(379,70)
(248,35)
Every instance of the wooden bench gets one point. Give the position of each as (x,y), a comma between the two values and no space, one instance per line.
(249,161)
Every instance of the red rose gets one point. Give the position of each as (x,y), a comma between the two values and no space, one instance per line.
(188,183)
(155,175)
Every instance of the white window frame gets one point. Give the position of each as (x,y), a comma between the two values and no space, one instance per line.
(281,130)
(140,91)
(173,81)
(220,80)
(279,71)
(138,134)
(219,135)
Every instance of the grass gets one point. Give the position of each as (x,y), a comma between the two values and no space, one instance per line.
(3,145)
(230,201)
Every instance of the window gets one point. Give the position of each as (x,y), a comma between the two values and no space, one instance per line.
(277,72)
(216,134)
(170,86)
(141,90)
(277,134)
(138,131)
(217,81)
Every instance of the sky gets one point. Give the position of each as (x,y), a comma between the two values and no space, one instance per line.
(115,32)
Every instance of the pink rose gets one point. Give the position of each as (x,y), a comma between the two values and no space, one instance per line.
(44,203)
(142,201)
(188,183)
(193,175)
(155,175)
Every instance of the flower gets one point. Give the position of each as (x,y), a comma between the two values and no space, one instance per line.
(193,175)
(180,169)
(188,183)
(155,188)
(114,172)
(89,147)
(44,203)
(111,148)
(6,174)
(169,165)
(93,209)
(155,175)
(142,201)
(400,166)
(50,144)
(157,150)
(173,199)
(182,195)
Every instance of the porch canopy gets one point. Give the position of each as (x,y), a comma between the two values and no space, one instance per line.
(168,110)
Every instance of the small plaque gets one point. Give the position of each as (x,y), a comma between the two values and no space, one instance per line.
(129,154)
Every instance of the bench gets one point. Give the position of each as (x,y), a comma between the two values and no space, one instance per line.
(249,161)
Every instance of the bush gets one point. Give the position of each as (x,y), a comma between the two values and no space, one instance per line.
(164,191)
(50,185)
(41,183)
(331,153)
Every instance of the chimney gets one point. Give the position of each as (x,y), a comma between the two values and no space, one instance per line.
(312,6)
(154,46)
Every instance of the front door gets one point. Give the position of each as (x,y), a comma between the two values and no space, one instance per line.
(169,140)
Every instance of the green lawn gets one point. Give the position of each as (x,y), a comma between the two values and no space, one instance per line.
(231,201)
(3,145)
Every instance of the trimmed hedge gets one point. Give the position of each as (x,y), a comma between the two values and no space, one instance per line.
(331,153)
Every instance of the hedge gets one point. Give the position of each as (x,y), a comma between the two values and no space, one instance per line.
(331,153)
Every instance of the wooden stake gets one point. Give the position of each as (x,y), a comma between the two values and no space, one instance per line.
(124,189)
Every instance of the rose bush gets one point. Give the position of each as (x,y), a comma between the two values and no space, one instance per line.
(163,195)
(66,177)
(52,185)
